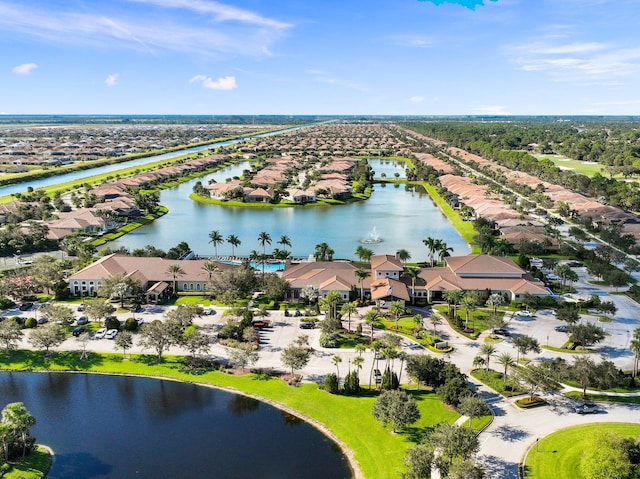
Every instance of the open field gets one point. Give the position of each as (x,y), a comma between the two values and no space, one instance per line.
(583,167)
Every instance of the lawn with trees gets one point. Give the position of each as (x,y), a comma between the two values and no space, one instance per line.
(590,451)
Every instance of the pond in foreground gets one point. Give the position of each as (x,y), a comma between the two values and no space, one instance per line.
(124,427)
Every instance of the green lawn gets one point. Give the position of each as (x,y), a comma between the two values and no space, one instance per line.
(378,452)
(495,380)
(558,455)
(585,168)
(34,466)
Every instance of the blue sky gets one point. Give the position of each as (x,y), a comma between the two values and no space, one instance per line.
(360,57)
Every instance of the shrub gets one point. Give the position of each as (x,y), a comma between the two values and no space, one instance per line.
(131,324)
(390,380)
(352,383)
(30,323)
(112,323)
(331,384)
(329,340)
(6,303)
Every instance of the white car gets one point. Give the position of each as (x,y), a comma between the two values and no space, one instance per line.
(112,333)
(526,314)
(100,333)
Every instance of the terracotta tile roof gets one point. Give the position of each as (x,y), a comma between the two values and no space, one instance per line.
(386,262)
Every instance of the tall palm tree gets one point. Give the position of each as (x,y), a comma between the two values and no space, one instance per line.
(285,241)
(360,348)
(370,319)
(453,298)
(404,255)
(348,308)
(234,241)
(469,305)
(495,301)
(364,254)
(215,238)
(488,351)
(435,320)
(175,270)
(402,356)
(506,361)
(210,267)
(396,308)
(361,275)
(432,245)
(444,250)
(264,239)
(357,362)
(412,272)
(335,359)
(375,347)
(323,252)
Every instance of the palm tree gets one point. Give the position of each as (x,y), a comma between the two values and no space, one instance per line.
(175,270)
(453,297)
(331,300)
(375,346)
(370,319)
(432,245)
(284,241)
(402,356)
(360,348)
(412,272)
(396,308)
(469,304)
(419,320)
(506,361)
(234,241)
(348,308)
(210,267)
(404,255)
(357,362)
(634,346)
(215,238)
(444,250)
(323,252)
(364,254)
(264,239)
(487,350)
(361,274)
(435,320)
(337,360)
(495,301)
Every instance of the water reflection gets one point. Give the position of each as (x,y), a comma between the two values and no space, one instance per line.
(239,405)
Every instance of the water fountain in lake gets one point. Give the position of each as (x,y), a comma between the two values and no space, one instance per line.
(373,237)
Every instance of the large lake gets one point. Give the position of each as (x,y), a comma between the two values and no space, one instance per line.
(400,215)
(124,427)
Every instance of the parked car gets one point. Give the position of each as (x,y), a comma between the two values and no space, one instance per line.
(135,308)
(307,325)
(587,408)
(140,321)
(211,312)
(25,306)
(42,320)
(501,332)
(80,308)
(562,329)
(525,314)
(78,331)
(112,333)
(100,333)
(82,320)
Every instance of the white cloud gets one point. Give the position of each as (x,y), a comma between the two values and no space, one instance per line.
(577,61)
(111,80)
(223,83)
(416,99)
(490,110)
(24,69)
(410,40)
(228,31)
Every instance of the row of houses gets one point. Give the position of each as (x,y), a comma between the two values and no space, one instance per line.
(385,280)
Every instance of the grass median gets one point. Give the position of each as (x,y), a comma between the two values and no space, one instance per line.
(378,452)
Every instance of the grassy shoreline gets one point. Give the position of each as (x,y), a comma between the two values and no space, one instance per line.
(374,451)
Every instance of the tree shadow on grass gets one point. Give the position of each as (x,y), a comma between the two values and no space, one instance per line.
(148,359)
(74,360)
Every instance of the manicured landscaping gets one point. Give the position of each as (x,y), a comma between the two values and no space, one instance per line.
(558,455)
(378,452)
(495,380)
(603,397)
(34,466)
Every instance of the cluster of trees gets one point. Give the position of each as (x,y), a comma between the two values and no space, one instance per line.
(609,454)
(15,437)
